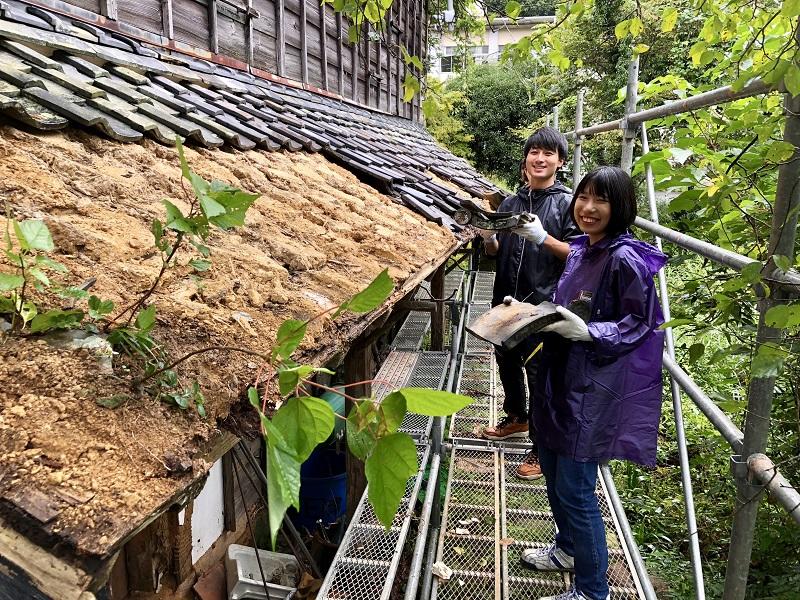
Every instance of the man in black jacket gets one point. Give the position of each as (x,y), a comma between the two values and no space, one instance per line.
(530,260)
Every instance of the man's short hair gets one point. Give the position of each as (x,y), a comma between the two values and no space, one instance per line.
(547,138)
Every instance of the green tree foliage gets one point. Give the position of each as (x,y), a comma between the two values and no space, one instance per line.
(440,119)
(496,103)
(527,8)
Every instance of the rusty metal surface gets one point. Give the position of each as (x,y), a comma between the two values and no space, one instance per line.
(507,325)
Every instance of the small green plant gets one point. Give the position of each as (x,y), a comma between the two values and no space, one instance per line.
(28,253)
(304,421)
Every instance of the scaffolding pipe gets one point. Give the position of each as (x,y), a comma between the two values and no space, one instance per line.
(677,107)
(627,534)
(680,433)
(765,471)
(555,117)
(631,97)
(422,530)
(762,389)
(713,413)
(576,153)
(789,279)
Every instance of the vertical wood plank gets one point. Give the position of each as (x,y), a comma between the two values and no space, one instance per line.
(248,25)
(354,68)
(410,49)
(437,317)
(213,28)
(340,51)
(379,72)
(108,8)
(359,365)
(367,60)
(398,59)
(166,18)
(323,38)
(389,33)
(228,498)
(303,41)
(280,37)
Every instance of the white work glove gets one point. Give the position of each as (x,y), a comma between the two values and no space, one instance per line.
(533,231)
(572,327)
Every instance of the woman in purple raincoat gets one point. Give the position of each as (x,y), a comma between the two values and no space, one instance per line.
(598,392)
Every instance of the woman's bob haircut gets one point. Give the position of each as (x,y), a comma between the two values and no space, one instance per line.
(616,186)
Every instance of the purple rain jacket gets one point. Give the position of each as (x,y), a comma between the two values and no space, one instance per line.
(598,400)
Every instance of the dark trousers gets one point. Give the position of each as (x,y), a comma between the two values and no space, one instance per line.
(581,533)
(514,370)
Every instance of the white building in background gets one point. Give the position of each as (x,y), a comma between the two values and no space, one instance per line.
(484,48)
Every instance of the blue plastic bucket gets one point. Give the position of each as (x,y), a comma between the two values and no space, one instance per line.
(323,489)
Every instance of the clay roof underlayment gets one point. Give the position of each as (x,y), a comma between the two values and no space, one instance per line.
(336,184)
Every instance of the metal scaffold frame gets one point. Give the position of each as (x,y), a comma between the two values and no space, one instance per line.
(750,464)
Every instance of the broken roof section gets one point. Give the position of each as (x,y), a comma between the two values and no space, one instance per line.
(55,71)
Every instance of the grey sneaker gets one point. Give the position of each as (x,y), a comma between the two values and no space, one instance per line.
(547,559)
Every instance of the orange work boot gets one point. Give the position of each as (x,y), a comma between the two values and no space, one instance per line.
(529,468)
(508,427)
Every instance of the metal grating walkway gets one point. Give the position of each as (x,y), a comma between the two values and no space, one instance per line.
(472,343)
(490,517)
(413,330)
(365,564)
(482,285)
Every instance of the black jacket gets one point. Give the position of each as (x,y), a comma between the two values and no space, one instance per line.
(525,271)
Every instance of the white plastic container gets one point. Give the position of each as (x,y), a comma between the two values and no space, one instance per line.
(244,577)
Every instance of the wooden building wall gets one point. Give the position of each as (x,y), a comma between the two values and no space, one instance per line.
(296,39)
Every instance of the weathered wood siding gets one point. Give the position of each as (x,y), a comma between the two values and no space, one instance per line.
(297,39)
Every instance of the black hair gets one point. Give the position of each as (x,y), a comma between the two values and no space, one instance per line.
(547,138)
(522,178)
(616,186)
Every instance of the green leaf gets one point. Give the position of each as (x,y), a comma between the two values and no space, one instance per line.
(371,11)
(146,319)
(622,28)
(114,401)
(99,308)
(513,9)
(676,323)
(48,263)
(56,319)
(370,297)
(283,477)
(780,152)
(681,155)
(696,350)
(289,336)
(33,234)
(175,218)
(39,275)
(433,403)
(410,87)
(362,429)
(353,34)
(669,19)
(792,80)
(752,272)
(782,262)
(200,265)
(636,26)
(235,203)
(388,468)
(304,423)
(791,8)
(210,207)
(767,362)
(777,316)
(641,48)
(393,410)
(252,396)
(10,282)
